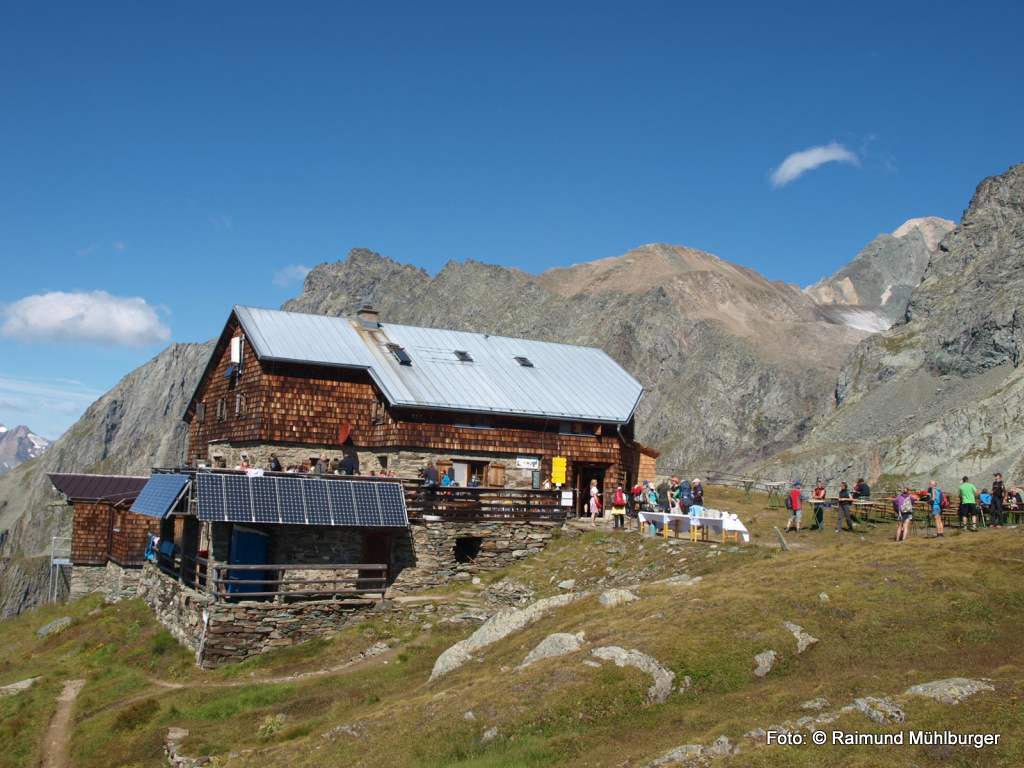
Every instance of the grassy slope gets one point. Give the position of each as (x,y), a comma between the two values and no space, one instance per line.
(897,615)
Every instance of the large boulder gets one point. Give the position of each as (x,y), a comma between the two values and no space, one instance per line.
(496,628)
(662,678)
(553,646)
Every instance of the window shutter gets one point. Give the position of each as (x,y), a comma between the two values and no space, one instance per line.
(495,476)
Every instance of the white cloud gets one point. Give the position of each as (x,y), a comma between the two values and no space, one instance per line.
(119,245)
(95,316)
(799,163)
(295,273)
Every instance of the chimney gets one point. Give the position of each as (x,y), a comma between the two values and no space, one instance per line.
(368,317)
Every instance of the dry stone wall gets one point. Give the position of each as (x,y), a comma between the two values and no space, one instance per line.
(434,561)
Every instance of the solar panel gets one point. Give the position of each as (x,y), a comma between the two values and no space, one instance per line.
(318,507)
(392,504)
(289,496)
(343,505)
(264,499)
(210,495)
(160,494)
(237,499)
(367,506)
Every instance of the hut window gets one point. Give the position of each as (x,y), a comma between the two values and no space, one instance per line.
(467,548)
(239,405)
(524,361)
(222,410)
(400,354)
(377,413)
(200,411)
(463,356)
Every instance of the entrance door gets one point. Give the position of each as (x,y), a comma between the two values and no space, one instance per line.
(584,474)
(248,547)
(376,551)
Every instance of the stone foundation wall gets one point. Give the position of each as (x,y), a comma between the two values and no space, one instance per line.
(221,633)
(86,579)
(236,631)
(431,560)
(182,611)
(121,583)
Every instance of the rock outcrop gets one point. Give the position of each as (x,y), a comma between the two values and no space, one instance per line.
(952,690)
(662,678)
(554,646)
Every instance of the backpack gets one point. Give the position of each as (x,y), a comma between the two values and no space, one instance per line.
(907,505)
(620,499)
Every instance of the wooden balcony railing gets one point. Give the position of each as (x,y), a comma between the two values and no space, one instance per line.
(283,582)
(471,504)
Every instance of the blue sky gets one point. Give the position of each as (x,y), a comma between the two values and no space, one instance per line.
(184,154)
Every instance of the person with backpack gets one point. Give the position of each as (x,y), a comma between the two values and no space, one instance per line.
(843,508)
(936,497)
(968,504)
(619,508)
(685,497)
(903,505)
(794,500)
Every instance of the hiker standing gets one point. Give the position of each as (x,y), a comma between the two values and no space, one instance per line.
(968,504)
(697,491)
(903,505)
(819,509)
(794,499)
(843,508)
(619,508)
(936,498)
(674,490)
(998,499)
(595,501)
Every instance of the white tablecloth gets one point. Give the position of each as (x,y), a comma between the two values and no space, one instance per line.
(682,523)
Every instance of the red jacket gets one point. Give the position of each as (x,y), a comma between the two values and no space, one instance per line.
(794,498)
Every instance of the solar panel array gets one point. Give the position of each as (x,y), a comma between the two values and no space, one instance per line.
(159,495)
(300,501)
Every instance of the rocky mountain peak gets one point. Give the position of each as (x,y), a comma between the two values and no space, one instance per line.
(873,291)
(931,228)
(18,445)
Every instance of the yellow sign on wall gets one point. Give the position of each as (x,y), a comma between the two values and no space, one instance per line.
(558,470)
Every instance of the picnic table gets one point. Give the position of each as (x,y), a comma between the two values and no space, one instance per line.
(725,524)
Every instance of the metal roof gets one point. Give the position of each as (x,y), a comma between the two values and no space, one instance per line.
(112,488)
(565,382)
(300,338)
